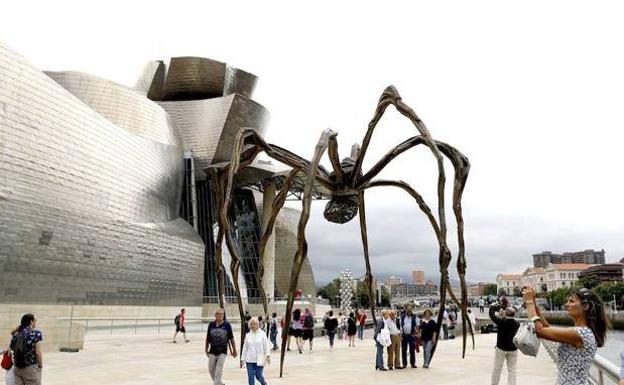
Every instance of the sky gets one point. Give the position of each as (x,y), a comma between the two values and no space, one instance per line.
(531,92)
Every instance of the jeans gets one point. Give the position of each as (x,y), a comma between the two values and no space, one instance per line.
(254,371)
(408,341)
(445,329)
(499,358)
(274,339)
(215,367)
(360,331)
(379,356)
(427,351)
(331,334)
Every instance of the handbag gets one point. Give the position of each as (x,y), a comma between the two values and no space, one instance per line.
(7,362)
(384,338)
(526,339)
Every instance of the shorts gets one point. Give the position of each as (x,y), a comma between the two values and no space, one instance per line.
(297,333)
(180,329)
(308,334)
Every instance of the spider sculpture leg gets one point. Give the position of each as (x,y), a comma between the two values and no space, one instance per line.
(254,143)
(302,245)
(218,194)
(332,151)
(241,157)
(235,259)
(369,275)
(391,96)
(461,166)
(225,186)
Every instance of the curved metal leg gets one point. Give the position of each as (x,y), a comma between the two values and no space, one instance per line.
(302,245)
(369,275)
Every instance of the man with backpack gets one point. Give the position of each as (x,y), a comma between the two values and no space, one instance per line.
(308,326)
(178,321)
(27,354)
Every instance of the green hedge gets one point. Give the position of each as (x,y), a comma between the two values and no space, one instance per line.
(616,324)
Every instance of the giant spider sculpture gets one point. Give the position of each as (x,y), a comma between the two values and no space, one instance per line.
(347,184)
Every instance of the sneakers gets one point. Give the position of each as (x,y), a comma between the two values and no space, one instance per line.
(175,342)
(185,341)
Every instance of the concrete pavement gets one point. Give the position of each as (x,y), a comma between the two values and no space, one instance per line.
(150,360)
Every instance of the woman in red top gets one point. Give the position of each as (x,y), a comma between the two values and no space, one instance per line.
(361,319)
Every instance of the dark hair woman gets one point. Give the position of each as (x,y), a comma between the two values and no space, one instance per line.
(27,355)
(578,344)
(428,336)
(351,329)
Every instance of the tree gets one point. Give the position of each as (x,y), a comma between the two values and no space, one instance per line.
(608,290)
(517,292)
(502,292)
(385,297)
(559,297)
(361,296)
(588,281)
(490,289)
(331,291)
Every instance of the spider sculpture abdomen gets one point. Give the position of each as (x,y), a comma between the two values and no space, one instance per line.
(343,206)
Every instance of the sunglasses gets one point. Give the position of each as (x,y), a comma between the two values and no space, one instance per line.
(584,294)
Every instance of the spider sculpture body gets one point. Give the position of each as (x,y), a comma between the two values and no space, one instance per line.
(347,185)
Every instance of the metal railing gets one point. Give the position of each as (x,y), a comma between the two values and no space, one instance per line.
(257,301)
(131,325)
(604,371)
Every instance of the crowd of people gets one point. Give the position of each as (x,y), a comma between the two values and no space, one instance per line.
(399,334)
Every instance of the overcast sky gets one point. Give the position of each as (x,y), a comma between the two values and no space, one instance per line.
(531,92)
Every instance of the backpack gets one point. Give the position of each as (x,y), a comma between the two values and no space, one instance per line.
(308,322)
(19,350)
(176,320)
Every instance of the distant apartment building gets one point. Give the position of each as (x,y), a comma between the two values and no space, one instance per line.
(408,290)
(608,272)
(507,283)
(394,280)
(588,256)
(418,277)
(534,277)
(561,275)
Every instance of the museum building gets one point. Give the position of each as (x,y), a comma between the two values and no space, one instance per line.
(105,197)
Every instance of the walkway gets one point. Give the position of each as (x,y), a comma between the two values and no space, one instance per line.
(150,360)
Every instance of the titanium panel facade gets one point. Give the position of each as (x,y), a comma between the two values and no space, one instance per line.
(209,126)
(90,183)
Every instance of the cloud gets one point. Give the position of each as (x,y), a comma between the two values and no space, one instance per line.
(401,241)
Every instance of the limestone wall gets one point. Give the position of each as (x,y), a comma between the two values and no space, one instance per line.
(56,331)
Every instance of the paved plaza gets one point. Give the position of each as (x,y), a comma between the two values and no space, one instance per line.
(149,360)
